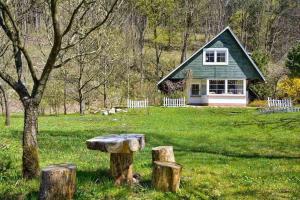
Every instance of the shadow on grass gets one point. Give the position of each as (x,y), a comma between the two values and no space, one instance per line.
(97,176)
(153,139)
(158,140)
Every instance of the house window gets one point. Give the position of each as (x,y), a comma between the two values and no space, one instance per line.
(210,56)
(195,90)
(216,86)
(215,56)
(221,56)
(235,87)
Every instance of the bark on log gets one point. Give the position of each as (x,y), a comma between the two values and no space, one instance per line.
(163,153)
(58,182)
(121,167)
(166,176)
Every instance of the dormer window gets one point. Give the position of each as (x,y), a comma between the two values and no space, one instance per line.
(210,56)
(215,56)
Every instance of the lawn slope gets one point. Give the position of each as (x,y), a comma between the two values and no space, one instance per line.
(227,153)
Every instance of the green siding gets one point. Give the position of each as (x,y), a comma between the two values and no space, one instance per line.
(239,66)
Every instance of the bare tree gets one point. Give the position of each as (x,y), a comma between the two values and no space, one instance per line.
(62,37)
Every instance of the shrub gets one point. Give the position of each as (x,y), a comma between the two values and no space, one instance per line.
(258,103)
(5,162)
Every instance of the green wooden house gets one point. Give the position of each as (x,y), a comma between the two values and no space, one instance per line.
(220,72)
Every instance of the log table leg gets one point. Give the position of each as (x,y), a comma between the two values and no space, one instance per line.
(121,167)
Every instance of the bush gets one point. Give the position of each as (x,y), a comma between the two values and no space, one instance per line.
(258,103)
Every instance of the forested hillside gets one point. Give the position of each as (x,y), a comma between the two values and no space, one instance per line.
(138,43)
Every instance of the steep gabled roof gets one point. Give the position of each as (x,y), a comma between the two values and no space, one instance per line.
(195,54)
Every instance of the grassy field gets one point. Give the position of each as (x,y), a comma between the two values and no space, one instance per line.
(226,153)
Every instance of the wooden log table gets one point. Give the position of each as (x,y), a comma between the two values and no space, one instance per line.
(121,149)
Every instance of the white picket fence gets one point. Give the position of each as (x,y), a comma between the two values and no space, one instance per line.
(283,103)
(168,102)
(137,103)
(276,105)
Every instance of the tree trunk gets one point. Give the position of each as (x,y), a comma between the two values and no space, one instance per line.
(65,97)
(158,52)
(104,95)
(2,106)
(186,35)
(30,145)
(81,106)
(7,111)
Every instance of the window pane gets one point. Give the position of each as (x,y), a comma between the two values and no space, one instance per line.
(210,56)
(235,87)
(221,56)
(216,86)
(195,89)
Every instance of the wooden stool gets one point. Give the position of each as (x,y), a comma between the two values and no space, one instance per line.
(58,182)
(163,153)
(166,176)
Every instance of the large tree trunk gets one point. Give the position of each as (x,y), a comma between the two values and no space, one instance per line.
(30,145)
(7,111)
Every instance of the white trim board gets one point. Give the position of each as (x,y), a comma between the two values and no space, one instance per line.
(234,36)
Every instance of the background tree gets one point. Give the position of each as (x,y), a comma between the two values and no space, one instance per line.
(293,61)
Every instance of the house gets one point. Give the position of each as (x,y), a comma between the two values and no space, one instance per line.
(220,73)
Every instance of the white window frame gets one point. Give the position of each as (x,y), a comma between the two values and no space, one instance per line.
(215,50)
(226,87)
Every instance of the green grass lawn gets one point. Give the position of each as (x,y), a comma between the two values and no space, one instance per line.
(226,153)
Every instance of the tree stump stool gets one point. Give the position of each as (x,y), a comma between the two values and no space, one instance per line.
(166,176)
(121,149)
(58,182)
(163,153)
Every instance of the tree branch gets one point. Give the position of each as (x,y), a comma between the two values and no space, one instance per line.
(69,26)
(38,89)
(73,57)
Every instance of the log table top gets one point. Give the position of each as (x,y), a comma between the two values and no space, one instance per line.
(123,143)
